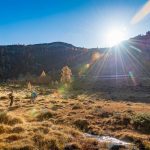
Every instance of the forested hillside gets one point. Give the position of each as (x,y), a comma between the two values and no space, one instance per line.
(130,56)
(18,60)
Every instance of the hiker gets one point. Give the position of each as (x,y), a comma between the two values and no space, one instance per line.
(33,96)
(11,97)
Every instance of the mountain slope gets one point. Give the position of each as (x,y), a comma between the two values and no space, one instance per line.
(21,59)
(131,56)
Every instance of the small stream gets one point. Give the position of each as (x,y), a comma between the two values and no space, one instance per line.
(111,142)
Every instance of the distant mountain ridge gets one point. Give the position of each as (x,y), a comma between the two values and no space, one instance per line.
(33,59)
(16,60)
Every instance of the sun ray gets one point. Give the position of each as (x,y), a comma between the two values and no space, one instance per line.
(141,66)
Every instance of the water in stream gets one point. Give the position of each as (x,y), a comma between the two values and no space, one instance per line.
(111,141)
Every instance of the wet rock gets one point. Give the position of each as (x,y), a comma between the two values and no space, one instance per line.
(112,143)
(117,147)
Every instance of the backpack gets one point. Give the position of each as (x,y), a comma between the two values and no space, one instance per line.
(33,95)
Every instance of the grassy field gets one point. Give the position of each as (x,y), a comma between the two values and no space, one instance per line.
(58,120)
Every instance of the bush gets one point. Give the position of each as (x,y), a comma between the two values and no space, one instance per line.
(18,129)
(45,115)
(44,143)
(14,121)
(4,129)
(76,106)
(3,117)
(13,137)
(52,144)
(6,119)
(56,107)
(82,125)
(141,122)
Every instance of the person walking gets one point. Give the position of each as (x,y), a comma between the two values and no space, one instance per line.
(33,96)
(11,98)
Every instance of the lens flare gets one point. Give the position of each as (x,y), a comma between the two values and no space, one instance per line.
(142,13)
(131,75)
(84,68)
(33,112)
(95,56)
(87,66)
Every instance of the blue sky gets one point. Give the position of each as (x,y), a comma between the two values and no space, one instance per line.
(80,22)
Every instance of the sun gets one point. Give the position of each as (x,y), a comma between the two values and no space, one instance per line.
(115,36)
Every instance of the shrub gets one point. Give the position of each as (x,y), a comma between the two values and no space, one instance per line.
(18,129)
(45,115)
(4,129)
(14,121)
(66,75)
(121,119)
(3,117)
(43,130)
(52,144)
(76,106)
(13,137)
(45,143)
(6,119)
(82,124)
(56,107)
(141,122)
(104,114)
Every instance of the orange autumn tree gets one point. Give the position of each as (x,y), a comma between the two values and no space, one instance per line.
(44,78)
(66,75)
(43,74)
(29,86)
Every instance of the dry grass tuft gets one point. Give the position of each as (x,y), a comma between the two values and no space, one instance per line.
(18,129)
(91,144)
(72,146)
(4,129)
(7,119)
(44,130)
(141,122)
(82,124)
(15,120)
(44,143)
(56,107)
(14,137)
(76,106)
(18,146)
(45,115)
